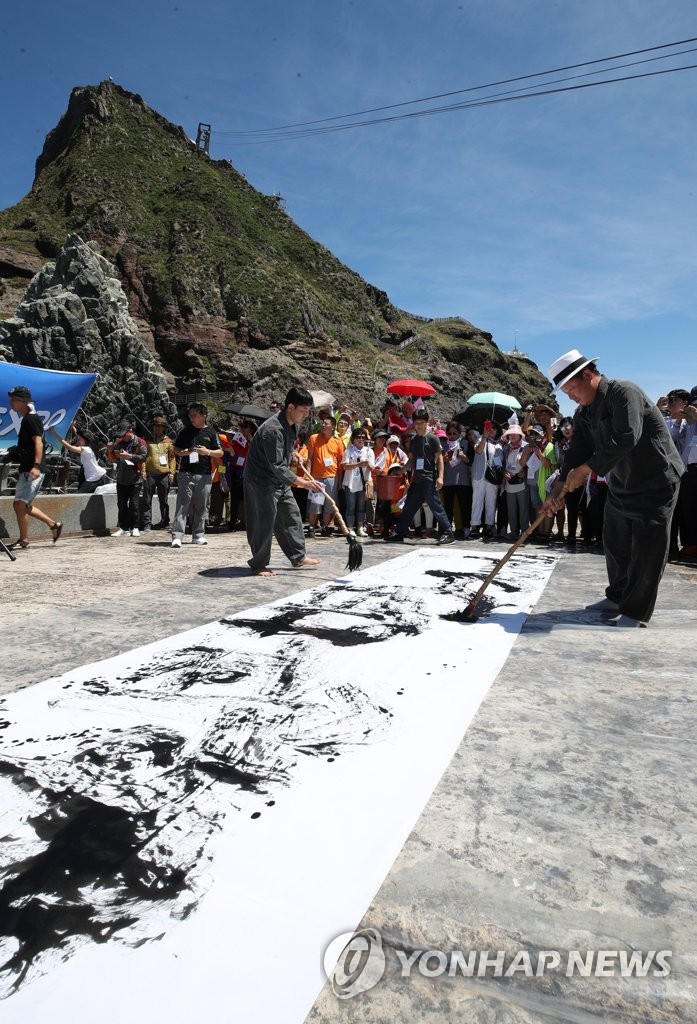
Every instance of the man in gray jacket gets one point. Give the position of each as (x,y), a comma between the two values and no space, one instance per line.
(619,433)
(270,508)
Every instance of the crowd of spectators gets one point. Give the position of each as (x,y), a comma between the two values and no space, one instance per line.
(493,477)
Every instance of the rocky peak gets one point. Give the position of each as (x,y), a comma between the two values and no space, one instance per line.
(227,293)
(74,317)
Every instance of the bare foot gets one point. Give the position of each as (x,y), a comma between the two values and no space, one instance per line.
(307,563)
(264,572)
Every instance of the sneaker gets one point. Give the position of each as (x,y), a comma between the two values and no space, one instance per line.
(360,532)
(446,538)
(147,529)
(135,532)
(395,539)
(199,540)
(176,542)
(119,533)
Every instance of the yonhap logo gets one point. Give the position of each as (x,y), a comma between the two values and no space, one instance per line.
(354,962)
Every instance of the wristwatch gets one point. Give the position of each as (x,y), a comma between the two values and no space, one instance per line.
(37,465)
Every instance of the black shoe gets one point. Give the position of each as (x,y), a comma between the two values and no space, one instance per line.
(475,533)
(311,531)
(446,538)
(18,545)
(395,539)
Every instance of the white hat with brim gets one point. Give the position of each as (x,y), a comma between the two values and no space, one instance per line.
(567,366)
(513,430)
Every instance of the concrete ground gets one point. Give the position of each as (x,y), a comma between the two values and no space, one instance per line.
(564,822)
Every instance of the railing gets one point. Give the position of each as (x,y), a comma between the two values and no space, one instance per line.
(399,345)
(181,399)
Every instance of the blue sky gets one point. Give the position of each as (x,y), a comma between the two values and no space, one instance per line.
(563,221)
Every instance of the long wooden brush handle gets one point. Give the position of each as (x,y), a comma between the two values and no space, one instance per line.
(327,497)
(511,551)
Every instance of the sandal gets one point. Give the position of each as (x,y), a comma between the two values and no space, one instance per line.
(18,545)
(56,530)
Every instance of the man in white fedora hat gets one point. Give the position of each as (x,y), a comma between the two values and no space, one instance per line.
(619,433)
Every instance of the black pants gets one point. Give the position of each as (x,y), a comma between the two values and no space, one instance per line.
(384,511)
(419,492)
(463,496)
(687,508)
(236,499)
(127,497)
(636,539)
(593,514)
(573,499)
(300,495)
(155,483)
(89,487)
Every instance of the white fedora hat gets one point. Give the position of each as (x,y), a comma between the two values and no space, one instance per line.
(567,366)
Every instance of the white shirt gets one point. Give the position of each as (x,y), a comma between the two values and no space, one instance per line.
(93,471)
(355,479)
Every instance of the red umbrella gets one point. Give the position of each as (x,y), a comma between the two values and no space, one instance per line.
(420,388)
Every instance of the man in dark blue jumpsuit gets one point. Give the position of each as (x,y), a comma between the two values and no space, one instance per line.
(620,434)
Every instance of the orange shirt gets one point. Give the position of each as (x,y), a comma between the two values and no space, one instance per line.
(302,453)
(325,456)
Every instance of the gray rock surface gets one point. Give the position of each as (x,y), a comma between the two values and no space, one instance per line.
(74,317)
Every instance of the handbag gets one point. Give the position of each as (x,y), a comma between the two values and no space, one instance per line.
(368,485)
(492,474)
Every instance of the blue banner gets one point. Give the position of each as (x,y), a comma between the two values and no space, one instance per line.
(57,397)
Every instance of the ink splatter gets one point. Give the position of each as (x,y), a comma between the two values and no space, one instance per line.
(485,606)
(111,799)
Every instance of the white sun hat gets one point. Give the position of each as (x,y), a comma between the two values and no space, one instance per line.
(567,366)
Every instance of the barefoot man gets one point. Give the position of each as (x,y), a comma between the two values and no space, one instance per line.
(270,508)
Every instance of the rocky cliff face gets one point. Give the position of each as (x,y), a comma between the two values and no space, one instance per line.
(226,292)
(74,316)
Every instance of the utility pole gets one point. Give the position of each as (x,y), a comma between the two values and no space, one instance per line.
(203,138)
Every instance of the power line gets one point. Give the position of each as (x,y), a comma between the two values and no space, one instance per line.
(448,108)
(474,88)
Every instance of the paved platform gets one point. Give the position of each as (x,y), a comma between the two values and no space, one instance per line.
(566,821)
